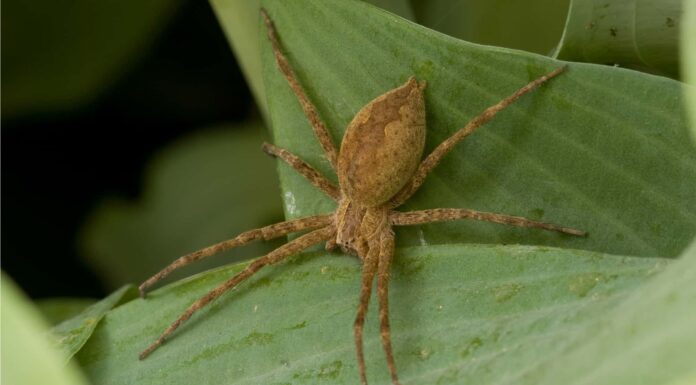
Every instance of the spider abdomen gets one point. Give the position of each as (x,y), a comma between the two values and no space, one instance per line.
(383,145)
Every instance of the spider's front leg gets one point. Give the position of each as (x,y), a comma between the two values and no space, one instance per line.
(266,233)
(310,111)
(432,160)
(439,215)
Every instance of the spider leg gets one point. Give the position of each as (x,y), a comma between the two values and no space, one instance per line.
(386,254)
(265,233)
(310,111)
(435,215)
(274,256)
(368,275)
(432,160)
(304,169)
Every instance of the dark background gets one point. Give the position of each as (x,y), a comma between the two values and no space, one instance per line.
(56,166)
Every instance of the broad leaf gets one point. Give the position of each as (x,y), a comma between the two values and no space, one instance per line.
(460,314)
(603,149)
(646,339)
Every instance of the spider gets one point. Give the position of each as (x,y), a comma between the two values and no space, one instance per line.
(379,167)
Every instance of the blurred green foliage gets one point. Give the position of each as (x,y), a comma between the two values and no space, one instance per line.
(243,35)
(689,60)
(203,189)
(534,25)
(58,309)
(638,34)
(58,55)
(26,354)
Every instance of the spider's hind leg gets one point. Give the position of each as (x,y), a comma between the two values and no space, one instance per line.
(266,233)
(274,256)
(368,276)
(386,254)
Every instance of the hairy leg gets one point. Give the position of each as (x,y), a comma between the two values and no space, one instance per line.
(265,233)
(386,254)
(368,275)
(274,256)
(304,169)
(434,215)
(432,160)
(320,130)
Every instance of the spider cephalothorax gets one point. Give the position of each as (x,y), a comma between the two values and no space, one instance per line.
(379,167)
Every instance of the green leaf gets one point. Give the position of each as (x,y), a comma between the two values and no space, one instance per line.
(640,34)
(530,25)
(689,60)
(71,334)
(653,326)
(57,310)
(58,54)
(602,149)
(203,189)
(26,354)
(459,314)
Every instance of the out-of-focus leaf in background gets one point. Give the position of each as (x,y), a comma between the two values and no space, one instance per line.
(58,55)
(403,8)
(243,34)
(639,34)
(26,353)
(58,309)
(603,149)
(530,25)
(688,46)
(203,189)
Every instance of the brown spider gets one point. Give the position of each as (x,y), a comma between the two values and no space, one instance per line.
(378,169)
